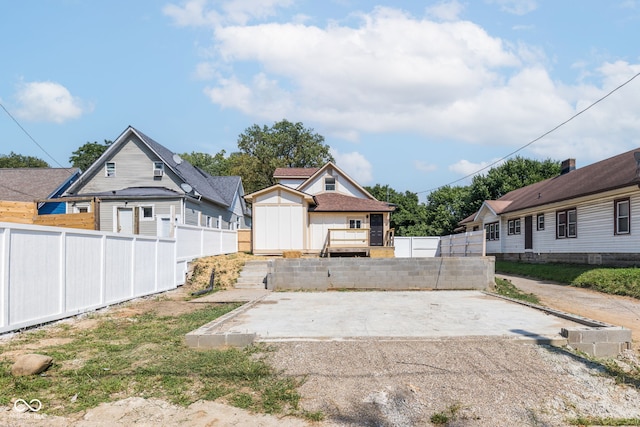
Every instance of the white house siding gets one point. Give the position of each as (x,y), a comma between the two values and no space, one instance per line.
(109,208)
(291,183)
(343,186)
(279,222)
(595,228)
(319,225)
(134,168)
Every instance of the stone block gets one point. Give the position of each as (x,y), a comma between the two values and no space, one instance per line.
(607,349)
(240,339)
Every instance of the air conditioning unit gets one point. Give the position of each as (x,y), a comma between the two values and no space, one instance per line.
(158,172)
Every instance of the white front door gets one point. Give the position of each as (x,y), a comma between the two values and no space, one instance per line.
(125,221)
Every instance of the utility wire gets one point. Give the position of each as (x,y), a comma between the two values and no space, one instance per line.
(30,137)
(536,139)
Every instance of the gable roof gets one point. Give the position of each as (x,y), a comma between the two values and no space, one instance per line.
(609,174)
(329,165)
(335,202)
(307,197)
(220,190)
(29,184)
(303,173)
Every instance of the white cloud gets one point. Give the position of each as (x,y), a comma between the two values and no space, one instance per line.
(355,165)
(516,7)
(197,13)
(446,10)
(48,102)
(204,71)
(466,168)
(424,166)
(394,72)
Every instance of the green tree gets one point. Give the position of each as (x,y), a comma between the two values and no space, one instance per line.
(216,165)
(285,144)
(409,217)
(88,153)
(13,160)
(446,207)
(513,174)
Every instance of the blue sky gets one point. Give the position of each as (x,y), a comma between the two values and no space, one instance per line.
(413,94)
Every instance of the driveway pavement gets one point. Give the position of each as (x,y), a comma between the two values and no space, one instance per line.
(613,309)
(300,316)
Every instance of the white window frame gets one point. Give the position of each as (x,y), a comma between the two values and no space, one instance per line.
(514,226)
(567,228)
(158,166)
(540,222)
(329,183)
(141,212)
(110,169)
(618,217)
(355,223)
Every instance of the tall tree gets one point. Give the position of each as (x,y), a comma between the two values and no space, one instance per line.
(446,207)
(88,153)
(409,217)
(285,144)
(13,160)
(216,165)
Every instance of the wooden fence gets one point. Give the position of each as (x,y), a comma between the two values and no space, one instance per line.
(244,241)
(27,213)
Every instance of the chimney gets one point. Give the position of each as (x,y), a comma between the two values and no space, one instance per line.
(567,166)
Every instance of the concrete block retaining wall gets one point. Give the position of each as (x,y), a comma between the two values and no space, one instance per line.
(381,273)
(599,342)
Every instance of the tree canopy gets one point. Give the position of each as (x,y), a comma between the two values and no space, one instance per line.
(409,217)
(13,160)
(88,153)
(285,144)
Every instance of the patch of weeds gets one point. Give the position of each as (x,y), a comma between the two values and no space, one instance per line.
(506,288)
(146,355)
(242,400)
(316,416)
(599,421)
(446,416)
(630,376)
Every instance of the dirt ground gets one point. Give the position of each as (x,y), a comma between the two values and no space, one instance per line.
(471,382)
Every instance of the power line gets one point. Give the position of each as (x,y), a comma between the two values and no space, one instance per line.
(30,137)
(536,139)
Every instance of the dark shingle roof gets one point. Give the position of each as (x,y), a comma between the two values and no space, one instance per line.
(294,172)
(136,192)
(29,184)
(219,189)
(335,202)
(609,174)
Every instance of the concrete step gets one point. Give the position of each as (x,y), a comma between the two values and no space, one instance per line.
(252,275)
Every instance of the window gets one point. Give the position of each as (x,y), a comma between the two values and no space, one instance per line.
(514,226)
(146,213)
(209,222)
(493,231)
(622,214)
(355,223)
(540,220)
(567,224)
(330,184)
(158,168)
(80,209)
(110,169)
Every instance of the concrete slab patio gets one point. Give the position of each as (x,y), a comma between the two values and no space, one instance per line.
(304,316)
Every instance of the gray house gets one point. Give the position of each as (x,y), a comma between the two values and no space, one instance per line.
(144,188)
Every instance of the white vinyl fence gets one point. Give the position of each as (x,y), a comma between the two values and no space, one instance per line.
(195,242)
(454,245)
(416,247)
(463,244)
(49,273)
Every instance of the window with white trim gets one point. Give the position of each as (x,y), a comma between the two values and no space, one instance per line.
(110,169)
(622,215)
(492,231)
(566,224)
(146,213)
(355,223)
(329,184)
(158,169)
(540,221)
(513,226)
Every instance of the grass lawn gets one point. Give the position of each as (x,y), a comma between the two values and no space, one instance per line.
(617,281)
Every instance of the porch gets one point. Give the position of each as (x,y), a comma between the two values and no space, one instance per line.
(357,242)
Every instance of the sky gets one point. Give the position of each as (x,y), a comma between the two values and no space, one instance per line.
(410,94)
